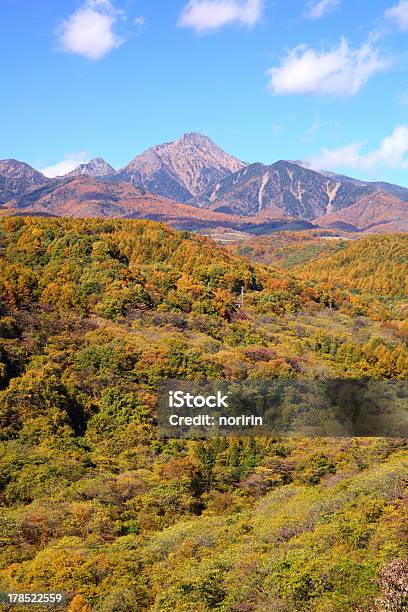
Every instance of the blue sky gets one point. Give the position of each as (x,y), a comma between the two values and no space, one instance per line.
(319,80)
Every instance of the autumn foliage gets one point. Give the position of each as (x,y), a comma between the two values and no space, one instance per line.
(94,314)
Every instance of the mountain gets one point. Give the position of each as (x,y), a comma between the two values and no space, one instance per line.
(395,190)
(16,177)
(181,169)
(211,187)
(85,196)
(284,186)
(378,212)
(89,197)
(97,167)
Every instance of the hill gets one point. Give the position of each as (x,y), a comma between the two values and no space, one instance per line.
(376,265)
(85,196)
(288,249)
(94,315)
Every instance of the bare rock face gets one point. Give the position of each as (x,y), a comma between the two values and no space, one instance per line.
(96,168)
(181,169)
(16,177)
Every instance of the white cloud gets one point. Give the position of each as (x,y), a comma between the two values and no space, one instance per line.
(90,30)
(391,153)
(140,21)
(69,163)
(207,15)
(399,14)
(319,8)
(341,71)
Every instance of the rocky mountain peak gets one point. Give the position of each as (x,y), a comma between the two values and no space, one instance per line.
(181,169)
(198,174)
(16,177)
(196,138)
(13,167)
(97,167)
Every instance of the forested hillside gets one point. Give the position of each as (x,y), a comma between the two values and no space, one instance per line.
(289,248)
(93,315)
(376,265)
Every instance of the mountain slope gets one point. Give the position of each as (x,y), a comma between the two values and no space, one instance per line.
(89,197)
(376,264)
(288,249)
(16,177)
(97,167)
(96,316)
(288,186)
(395,190)
(195,172)
(377,212)
(180,169)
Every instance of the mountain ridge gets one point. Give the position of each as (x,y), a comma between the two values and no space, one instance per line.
(378,212)
(211,185)
(289,186)
(85,196)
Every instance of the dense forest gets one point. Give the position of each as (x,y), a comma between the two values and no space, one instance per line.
(377,266)
(94,314)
